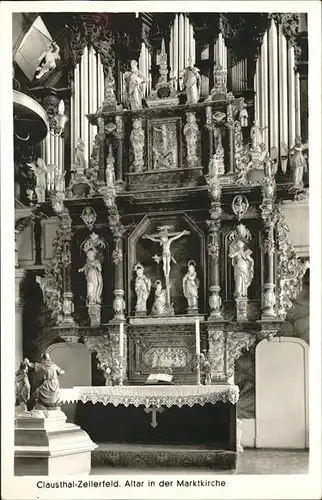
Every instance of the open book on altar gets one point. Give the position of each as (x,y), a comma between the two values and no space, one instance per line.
(159,379)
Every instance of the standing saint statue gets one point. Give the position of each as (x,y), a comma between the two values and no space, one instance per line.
(93,274)
(243,264)
(191,82)
(135,86)
(80,162)
(191,133)
(142,289)
(109,170)
(22,386)
(160,301)
(298,163)
(190,285)
(137,139)
(47,60)
(45,383)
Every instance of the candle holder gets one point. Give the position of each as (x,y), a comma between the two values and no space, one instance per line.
(121,360)
(198,368)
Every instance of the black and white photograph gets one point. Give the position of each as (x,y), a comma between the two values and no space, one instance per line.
(160,165)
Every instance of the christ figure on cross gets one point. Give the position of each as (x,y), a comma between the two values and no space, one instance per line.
(163,238)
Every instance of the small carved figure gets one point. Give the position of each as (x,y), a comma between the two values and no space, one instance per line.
(109,170)
(243,264)
(205,366)
(190,285)
(22,385)
(191,82)
(93,274)
(80,162)
(160,300)
(40,170)
(164,147)
(47,60)
(243,114)
(298,163)
(142,289)
(137,139)
(191,132)
(45,383)
(135,86)
(256,136)
(109,88)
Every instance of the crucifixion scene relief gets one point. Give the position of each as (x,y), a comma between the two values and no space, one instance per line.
(161,172)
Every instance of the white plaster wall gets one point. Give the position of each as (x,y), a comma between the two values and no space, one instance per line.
(248,433)
(297,217)
(281,394)
(75,359)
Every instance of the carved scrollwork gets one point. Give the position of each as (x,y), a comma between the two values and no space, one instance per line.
(106,348)
(290,269)
(236,343)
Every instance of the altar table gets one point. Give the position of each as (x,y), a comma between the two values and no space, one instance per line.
(196,424)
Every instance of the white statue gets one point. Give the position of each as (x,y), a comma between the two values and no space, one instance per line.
(142,288)
(191,133)
(243,114)
(163,239)
(191,82)
(190,285)
(80,162)
(109,170)
(40,170)
(135,86)
(50,55)
(298,163)
(137,139)
(256,136)
(160,300)
(93,274)
(243,264)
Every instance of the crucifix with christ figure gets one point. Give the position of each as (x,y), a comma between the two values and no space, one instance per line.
(164,238)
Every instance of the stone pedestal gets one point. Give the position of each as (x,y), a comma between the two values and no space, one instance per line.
(47,445)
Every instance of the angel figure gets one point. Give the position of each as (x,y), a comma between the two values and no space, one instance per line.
(298,162)
(135,86)
(40,170)
(47,60)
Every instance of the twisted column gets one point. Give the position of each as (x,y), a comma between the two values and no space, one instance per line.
(118,261)
(214,269)
(269,219)
(66,259)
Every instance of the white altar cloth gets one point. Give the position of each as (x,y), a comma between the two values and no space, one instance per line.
(156,395)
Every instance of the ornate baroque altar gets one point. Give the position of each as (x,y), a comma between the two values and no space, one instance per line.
(171,254)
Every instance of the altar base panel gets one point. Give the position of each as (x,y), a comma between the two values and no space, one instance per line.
(50,446)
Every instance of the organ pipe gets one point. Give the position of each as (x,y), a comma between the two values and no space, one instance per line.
(181,43)
(186,41)
(297,105)
(85,110)
(176,47)
(264,80)
(291,95)
(283,105)
(273,86)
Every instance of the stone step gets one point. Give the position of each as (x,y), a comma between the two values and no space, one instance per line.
(167,455)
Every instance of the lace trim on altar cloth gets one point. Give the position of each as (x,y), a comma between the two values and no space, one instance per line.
(152,395)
